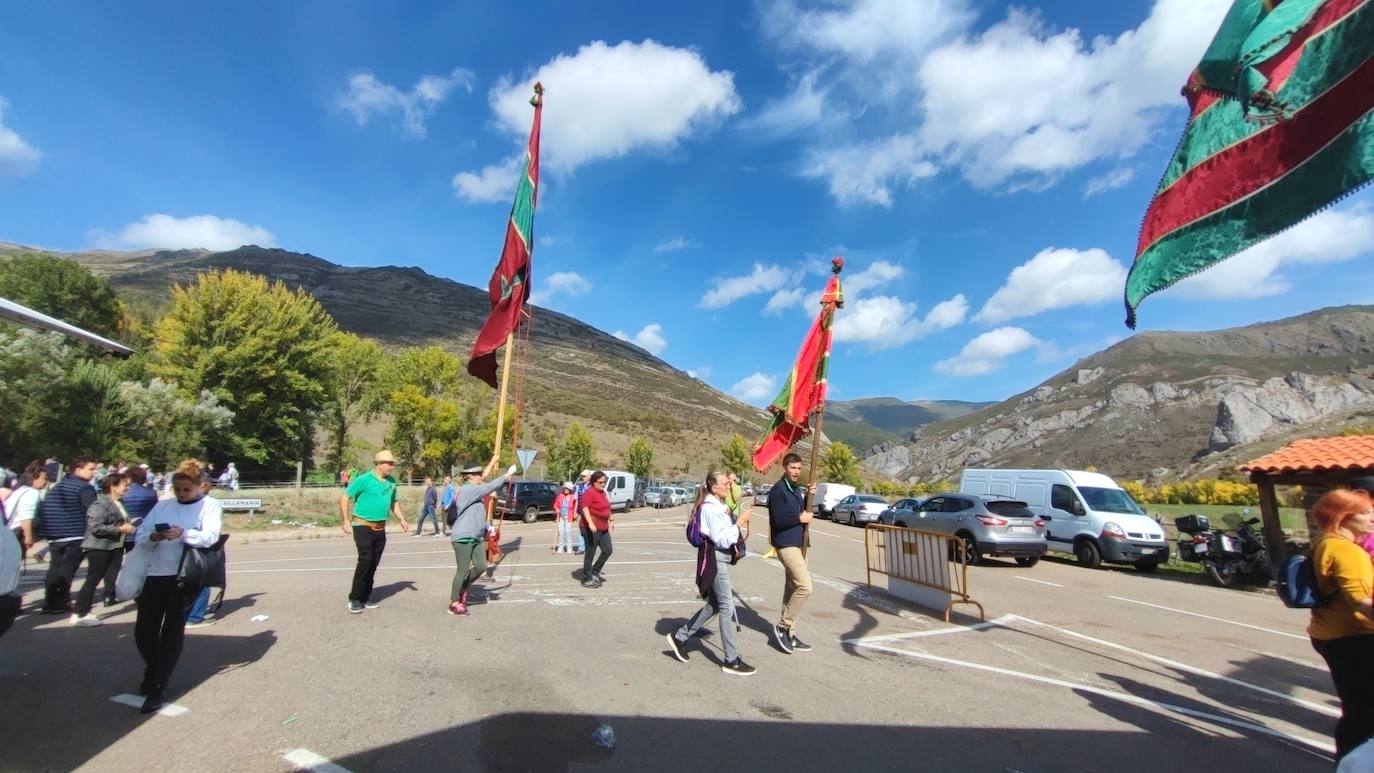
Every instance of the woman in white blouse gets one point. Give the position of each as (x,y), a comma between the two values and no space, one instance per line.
(192,519)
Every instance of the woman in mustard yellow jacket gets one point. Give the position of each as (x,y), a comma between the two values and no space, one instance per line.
(1342,630)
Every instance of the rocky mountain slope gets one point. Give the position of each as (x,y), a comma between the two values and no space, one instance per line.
(871,421)
(1163,405)
(574,370)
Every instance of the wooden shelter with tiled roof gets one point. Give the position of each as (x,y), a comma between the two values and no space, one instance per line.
(1316,464)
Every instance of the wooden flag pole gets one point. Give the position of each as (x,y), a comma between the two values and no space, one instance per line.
(811,477)
(501,410)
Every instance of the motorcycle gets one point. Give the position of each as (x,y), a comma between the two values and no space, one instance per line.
(1224,557)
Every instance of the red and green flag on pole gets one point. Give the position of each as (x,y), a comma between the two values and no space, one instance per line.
(510,283)
(804,392)
(1282,126)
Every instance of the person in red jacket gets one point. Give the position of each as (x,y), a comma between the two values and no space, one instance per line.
(596,530)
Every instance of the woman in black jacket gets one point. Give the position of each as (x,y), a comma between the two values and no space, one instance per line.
(106,526)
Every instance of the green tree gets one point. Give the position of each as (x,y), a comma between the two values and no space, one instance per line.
(33,368)
(838,465)
(355,368)
(261,349)
(735,456)
(63,289)
(165,426)
(639,458)
(575,453)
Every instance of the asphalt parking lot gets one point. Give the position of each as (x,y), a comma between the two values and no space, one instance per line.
(1072,670)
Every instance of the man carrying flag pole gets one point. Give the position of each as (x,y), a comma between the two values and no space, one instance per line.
(789,505)
(509,289)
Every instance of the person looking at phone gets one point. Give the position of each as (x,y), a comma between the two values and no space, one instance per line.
(106,526)
(191,519)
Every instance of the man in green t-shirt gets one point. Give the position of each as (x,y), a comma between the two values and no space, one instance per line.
(366,504)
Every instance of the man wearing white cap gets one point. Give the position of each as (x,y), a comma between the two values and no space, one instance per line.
(366,504)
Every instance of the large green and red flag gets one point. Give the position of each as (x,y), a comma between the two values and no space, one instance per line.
(804,392)
(1282,126)
(510,283)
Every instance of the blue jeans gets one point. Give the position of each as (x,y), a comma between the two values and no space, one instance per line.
(428,512)
(197,613)
(721,606)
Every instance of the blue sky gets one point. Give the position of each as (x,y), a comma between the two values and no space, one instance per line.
(982,167)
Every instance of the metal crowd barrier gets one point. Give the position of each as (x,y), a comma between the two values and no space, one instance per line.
(933,562)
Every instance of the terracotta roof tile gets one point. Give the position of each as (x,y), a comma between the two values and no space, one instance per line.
(1354,452)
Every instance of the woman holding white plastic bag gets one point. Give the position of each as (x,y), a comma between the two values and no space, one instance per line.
(191,520)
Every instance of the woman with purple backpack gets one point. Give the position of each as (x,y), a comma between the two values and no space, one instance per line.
(719,534)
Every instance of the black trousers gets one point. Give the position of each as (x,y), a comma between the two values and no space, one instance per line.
(161,628)
(1352,671)
(594,540)
(370,545)
(64,558)
(100,565)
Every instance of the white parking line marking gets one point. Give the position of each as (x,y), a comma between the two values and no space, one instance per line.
(859,593)
(1001,621)
(304,759)
(1042,582)
(1124,697)
(427,553)
(1209,617)
(1317,707)
(129,699)
(446,567)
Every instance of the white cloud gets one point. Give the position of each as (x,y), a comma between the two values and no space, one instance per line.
(650,339)
(700,374)
(606,101)
(987,352)
(565,283)
(867,172)
(494,183)
(783,300)
(878,274)
(367,97)
(554,241)
(1332,236)
(677,243)
(1110,181)
(1020,104)
(17,157)
(727,290)
(1054,279)
(869,31)
(803,107)
(177,233)
(755,388)
(885,322)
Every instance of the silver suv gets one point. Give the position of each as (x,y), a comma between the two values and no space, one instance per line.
(988,526)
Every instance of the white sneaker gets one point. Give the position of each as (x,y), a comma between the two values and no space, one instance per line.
(89,621)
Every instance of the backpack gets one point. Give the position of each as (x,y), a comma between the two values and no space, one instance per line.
(694,535)
(1297,584)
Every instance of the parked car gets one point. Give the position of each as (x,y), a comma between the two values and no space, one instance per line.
(857,509)
(988,526)
(672,496)
(1088,514)
(899,512)
(652,496)
(827,496)
(761,494)
(532,498)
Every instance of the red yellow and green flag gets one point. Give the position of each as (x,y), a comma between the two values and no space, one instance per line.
(1281,127)
(510,283)
(804,392)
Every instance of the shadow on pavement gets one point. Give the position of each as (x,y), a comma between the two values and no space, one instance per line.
(57,688)
(556,742)
(384,592)
(234,604)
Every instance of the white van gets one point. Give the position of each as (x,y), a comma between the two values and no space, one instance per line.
(828,495)
(620,489)
(1087,514)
